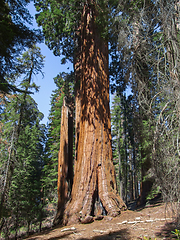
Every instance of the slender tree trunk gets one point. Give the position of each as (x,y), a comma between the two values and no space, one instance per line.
(14,141)
(28,229)
(65,159)
(131,183)
(94,189)
(120,165)
(8,173)
(146,184)
(135,173)
(2,223)
(126,154)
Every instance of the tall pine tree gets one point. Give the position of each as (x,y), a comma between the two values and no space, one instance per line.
(17,115)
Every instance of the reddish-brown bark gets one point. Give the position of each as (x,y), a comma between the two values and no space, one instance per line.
(65,159)
(94,189)
(78,72)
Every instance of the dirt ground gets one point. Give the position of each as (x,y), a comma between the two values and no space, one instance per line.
(150,222)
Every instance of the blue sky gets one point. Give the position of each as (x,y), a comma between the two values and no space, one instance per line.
(52,67)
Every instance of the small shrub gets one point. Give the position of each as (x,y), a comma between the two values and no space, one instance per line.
(148,238)
(177,233)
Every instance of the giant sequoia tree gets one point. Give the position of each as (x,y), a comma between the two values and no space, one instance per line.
(79,30)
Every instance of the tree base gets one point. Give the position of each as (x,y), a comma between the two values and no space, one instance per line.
(72,217)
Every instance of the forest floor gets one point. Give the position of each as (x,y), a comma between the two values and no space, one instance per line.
(150,222)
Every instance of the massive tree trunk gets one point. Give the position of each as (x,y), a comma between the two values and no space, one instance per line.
(94,188)
(65,159)
(78,72)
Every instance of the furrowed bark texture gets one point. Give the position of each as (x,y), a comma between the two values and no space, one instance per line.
(94,189)
(78,72)
(65,159)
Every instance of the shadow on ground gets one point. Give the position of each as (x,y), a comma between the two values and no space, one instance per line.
(156,201)
(44,231)
(121,234)
(166,231)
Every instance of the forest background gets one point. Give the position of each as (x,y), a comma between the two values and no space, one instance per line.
(144,55)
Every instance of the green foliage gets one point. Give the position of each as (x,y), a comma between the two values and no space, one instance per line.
(61,22)
(125,147)
(148,238)
(148,48)
(145,125)
(22,149)
(58,20)
(177,233)
(154,192)
(14,37)
(25,193)
(64,87)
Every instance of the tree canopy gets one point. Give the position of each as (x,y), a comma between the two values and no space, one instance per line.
(15,35)
(60,21)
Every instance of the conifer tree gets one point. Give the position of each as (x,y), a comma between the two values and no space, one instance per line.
(125,146)
(15,35)
(117,134)
(14,121)
(145,34)
(80,31)
(25,190)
